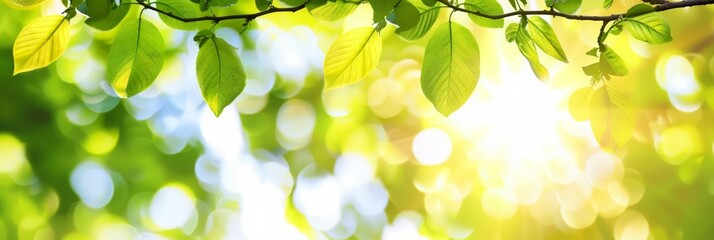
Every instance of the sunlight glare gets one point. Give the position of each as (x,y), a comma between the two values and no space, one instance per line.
(432,146)
(172,207)
(93,184)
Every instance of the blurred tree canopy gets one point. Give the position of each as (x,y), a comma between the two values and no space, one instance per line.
(336,119)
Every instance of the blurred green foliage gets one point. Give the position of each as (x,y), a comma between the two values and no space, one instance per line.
(286,157)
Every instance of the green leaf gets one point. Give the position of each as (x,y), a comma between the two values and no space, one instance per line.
(429,3)
(220,3)
(525,45)
(77,3)
(135,58)
(98,9)
(40,43)
(639,9)
(451,67)
(381,8)
(511,31)
(579,104)
(263,5)
(180,8)
(616,29)
(490,7)
(407,16)
(565,6)
(293,2)
(611,63)
(544,37)
(112,20)
(329,10)
(221,75)
(24,4)
(595,73)
(513,4)
(607,3)
(651,28)
(592,52)
(611,118)
(592,69)
(202,36)
(426,21)
(383,23)
(351,57)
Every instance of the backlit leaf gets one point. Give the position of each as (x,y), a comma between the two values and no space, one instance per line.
(544,37)
(592,52)
(639,9)
(98,9)
(651,28)
(110,21)
(262,5)
(381,8)
(525,45)
(293,2)
(611,63)
(181,8)
(135,58)
(221,3)
(351,57)
(616,29)
(427,19)
(407,16)
(607,4)
(593,70)
(429,3)
(490,7)
(40,43)
(611,118)
(451,67)
(329,10)
(565,6)
(511,31)
(24,4)
(513,4)
(221,75)
(579,104)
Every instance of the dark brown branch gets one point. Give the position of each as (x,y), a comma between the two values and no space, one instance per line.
(605,19)
(221,18)
(658,8)
(601,36)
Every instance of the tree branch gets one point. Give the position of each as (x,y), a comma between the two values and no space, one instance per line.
(601,36)
(658,8)
(221,18)
(605,19)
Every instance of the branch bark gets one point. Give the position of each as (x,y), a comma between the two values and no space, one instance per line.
(605,18)
(221,18)
(658,8)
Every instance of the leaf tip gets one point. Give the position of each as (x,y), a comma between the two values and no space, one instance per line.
(17,71)
(217,111)
(328,87)
(446,114)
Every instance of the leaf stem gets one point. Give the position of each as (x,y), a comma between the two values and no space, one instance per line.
(602,36)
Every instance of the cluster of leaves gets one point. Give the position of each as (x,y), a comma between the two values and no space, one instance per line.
(451,64)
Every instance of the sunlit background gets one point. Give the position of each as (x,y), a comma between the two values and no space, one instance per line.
(368,161)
